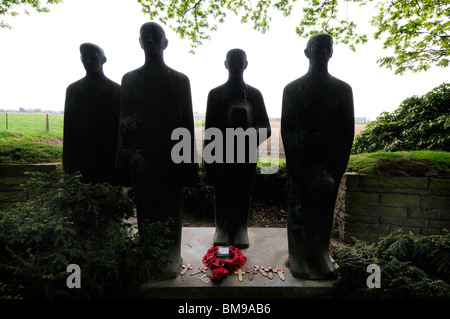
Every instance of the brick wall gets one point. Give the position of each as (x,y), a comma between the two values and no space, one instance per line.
(369,207)
(12,178)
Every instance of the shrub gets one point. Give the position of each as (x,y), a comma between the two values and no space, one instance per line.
(412,266)
(419,123)
(76,223)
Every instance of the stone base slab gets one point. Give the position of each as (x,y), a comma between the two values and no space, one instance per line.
(268,248)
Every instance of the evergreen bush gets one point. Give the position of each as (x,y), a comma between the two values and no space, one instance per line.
(412,266)
(420,123)
(71,222)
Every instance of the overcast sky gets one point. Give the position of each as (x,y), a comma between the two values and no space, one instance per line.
(40,57)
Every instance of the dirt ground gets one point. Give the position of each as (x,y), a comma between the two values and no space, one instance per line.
(262,215)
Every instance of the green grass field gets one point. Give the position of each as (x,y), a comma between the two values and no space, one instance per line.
(31,126)
(24,138)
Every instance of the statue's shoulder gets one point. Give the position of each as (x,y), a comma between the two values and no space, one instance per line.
(253,90)
(296,84)
(75,85)
(255,96)
(341,85)
(181,77)
(112,83)
(132,75)
(218,91)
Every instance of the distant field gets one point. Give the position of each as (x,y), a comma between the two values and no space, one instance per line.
(358,127)
(31,126)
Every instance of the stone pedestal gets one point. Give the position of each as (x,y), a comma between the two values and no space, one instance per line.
(269,249)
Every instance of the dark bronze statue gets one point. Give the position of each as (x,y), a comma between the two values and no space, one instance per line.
(155,100)
(231,107)
(91,120)
(317,128)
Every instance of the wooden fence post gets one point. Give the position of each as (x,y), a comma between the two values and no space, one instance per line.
(47,127)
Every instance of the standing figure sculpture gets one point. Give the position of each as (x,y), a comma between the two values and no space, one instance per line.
(238,112)
(317,127)
(91,120)
(155,100)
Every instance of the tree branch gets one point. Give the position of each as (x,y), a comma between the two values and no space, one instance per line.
(418,4)
(190,9)
(331,15)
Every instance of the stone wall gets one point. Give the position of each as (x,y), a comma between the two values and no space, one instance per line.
(12,178)
(369,207)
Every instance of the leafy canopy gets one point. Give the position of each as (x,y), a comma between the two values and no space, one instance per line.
(417,31)
(9,7)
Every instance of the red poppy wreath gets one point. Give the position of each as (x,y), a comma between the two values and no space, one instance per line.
(221,268)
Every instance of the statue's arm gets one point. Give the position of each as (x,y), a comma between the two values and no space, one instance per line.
(69,129)
(348,126)
(212,120)
(123,140)
(212,115)
(261,118)
(288,127)
(188,121)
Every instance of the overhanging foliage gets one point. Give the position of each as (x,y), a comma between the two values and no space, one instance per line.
(417,31)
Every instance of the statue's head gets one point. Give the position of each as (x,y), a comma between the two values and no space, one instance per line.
(319,49)
(153,38)
(236,61)
(92,57)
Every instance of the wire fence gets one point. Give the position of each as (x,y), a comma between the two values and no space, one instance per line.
(24,123)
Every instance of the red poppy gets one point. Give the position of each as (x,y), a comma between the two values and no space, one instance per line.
(221,268)
(219,273)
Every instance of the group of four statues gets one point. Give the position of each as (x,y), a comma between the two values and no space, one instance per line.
(122,134)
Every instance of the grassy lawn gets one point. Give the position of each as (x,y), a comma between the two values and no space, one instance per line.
(31,126)
(199,122)
(27,141)
(413,163)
